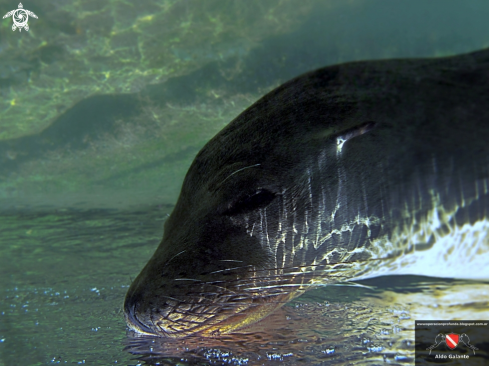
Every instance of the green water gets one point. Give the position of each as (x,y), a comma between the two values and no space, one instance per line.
(103,106)
(64,276)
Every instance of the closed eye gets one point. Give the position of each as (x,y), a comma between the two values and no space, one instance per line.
(259,199)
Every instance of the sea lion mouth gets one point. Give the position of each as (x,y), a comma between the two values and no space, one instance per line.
(203,310)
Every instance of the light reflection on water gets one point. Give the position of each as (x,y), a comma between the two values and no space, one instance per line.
(309,333)
(355,327)
(64,275)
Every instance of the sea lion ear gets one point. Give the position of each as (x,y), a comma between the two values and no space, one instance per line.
(353,132)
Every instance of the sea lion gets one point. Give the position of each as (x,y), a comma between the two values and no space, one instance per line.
(348,172)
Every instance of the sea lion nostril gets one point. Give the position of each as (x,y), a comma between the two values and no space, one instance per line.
(132,319)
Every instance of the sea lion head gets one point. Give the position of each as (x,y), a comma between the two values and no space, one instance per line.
(225,260)
(313,180)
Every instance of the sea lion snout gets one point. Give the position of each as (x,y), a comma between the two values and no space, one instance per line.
(200,287)
(132,320)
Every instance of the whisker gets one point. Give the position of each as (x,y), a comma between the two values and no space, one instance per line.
(237,171)
(206,301)
(176,255)
(281,286)
(186,279)
(171,298)
(230,260)
(223,288)
(227,269)
(349,284)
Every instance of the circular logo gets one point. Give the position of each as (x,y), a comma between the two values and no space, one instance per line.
(20,18)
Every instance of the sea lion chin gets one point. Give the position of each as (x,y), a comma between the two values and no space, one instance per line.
(348,172)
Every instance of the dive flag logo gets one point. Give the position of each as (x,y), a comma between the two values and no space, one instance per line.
(452,340)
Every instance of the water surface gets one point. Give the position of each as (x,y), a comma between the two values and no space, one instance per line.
(65,273)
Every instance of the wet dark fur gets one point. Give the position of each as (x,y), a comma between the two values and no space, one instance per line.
(415,110)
